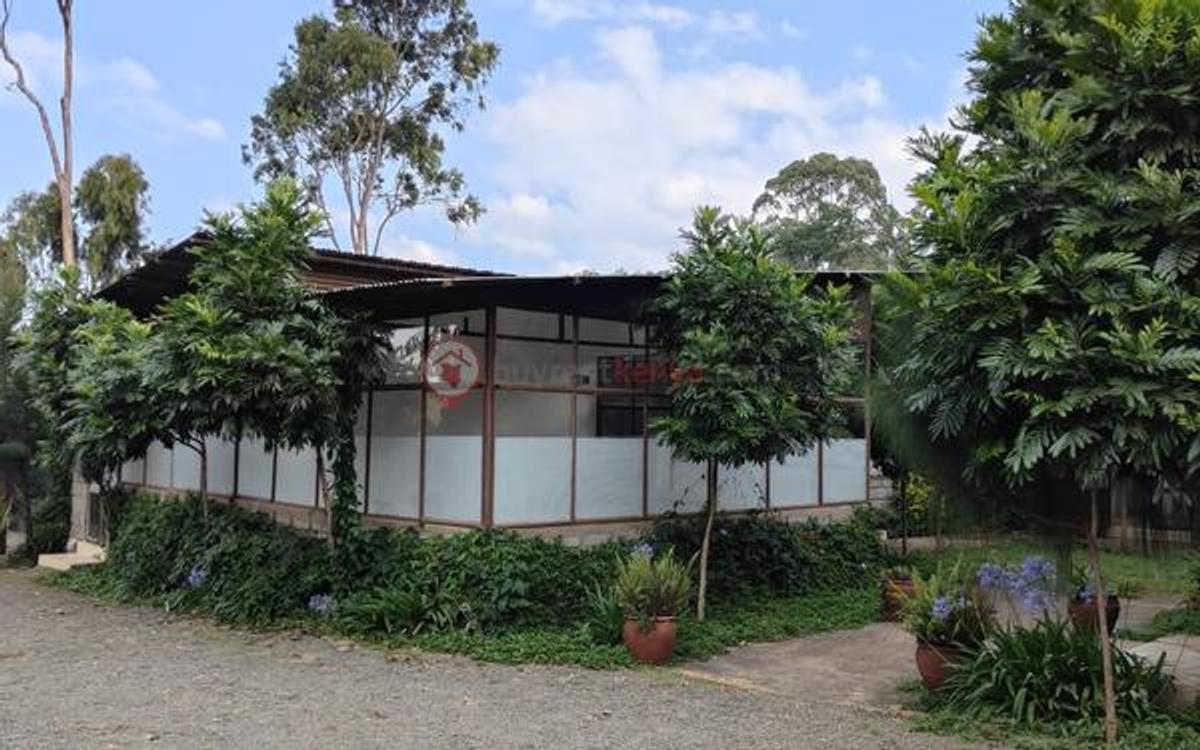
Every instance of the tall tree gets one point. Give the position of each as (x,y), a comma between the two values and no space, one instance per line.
(759,352)
(1059,333)
(827,212)
(60,158)
(110,206)
(360,105)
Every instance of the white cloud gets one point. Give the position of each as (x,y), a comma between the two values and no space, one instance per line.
(555,12)
(123,87)
(732,22)
(792,31)
(410,248)
(599,169)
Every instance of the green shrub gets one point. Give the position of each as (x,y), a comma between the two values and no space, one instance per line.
(761,553)
(605,617)
(51,527)
(238,565)
(944,612)
(1052,673)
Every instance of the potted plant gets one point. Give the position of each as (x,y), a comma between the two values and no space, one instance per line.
(652,591)
(1083,609)
(948,621)
(896,588)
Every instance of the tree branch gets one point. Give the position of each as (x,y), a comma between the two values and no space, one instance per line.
(20,85)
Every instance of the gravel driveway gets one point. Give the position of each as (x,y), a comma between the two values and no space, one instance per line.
(75,674)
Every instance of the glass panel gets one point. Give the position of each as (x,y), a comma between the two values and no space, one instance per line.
(608,331)
(254,469)
(455,360)
(794,481)
(465,323)
(454,458)
(845,474)
(674,485)
(540,325)
(185,468)
(132,471)
(360,452)
(533,457)
(742,488)
(220,465)
(395,453)
(403,365)
(845,470)
(522,362)
(296,477)
(608,480)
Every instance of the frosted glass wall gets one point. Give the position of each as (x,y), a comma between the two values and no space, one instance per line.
(255,469)
(608,480)
(533,457)
(185,469)
(133,471)
(795,481)
(743,488)
(158,466)
(220,465)
(674,485)
(454,459)
(296,476)
(395,453)
(845,471)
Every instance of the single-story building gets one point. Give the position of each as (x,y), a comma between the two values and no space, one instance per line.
(511,401)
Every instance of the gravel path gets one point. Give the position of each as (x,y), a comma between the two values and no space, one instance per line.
(75,674)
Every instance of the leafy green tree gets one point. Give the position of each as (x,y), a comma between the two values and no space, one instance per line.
(111,204)
(826,212)
(360,103)
(1057,333)
(17,424)
(759,352)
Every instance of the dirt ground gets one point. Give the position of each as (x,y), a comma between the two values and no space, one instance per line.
(75,673)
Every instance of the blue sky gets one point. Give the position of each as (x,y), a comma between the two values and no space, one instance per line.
(607,120)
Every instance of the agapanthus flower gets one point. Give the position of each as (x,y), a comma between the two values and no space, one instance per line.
(993,577)
(645,548)
(196,577)
(321,604)
(943,607)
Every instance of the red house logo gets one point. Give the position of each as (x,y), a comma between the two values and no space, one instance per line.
(452,370)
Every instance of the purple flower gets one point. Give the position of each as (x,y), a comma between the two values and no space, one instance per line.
(944,607)
(993,577)
(645,549)
(196,577)
(321,604)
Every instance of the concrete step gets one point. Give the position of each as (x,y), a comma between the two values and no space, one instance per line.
(85,554)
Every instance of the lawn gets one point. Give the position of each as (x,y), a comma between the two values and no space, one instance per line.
(1130,573)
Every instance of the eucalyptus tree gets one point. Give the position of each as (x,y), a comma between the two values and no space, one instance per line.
(1058,334)
(361,105)
(758,353)
(829,212)
(107,223)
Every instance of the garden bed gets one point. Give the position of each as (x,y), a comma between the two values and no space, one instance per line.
(491,595)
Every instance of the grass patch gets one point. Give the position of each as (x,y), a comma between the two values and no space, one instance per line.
(1158,573)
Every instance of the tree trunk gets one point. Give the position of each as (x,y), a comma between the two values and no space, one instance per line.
(904,514)
(324,495)
(66,176)
(6,514)
(710,504)
(1110,699)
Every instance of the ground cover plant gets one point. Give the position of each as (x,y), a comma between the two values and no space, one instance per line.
(491,595)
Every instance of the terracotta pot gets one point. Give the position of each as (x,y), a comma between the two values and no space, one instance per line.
(1083,613)
(654,645)
(895,591)
(935,664)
